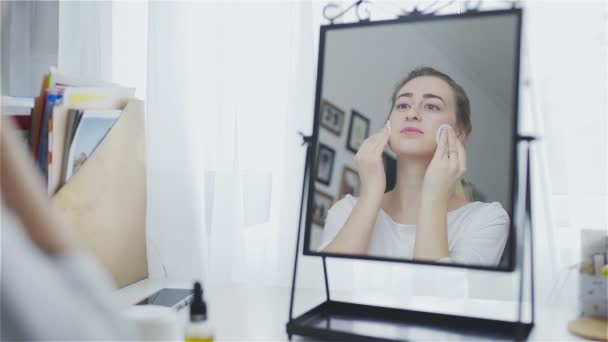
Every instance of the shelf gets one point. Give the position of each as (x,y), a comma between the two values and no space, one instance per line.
(347,321)
(12,105)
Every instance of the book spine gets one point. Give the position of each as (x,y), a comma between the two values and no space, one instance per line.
(52,97)
(49,156)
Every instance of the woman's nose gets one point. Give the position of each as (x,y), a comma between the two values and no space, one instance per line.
(412,114)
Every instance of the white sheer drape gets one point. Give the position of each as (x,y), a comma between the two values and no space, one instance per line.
(228,72)
(229,85)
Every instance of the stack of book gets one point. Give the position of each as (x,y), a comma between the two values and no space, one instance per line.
(70,118)
(88,139)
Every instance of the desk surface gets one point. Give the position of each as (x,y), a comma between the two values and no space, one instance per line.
(240,312)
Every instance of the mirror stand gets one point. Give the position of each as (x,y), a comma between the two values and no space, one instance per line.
(335,320)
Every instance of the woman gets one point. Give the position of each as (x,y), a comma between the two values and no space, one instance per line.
(426,216)
(51,289)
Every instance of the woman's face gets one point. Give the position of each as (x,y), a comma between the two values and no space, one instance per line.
(422,105)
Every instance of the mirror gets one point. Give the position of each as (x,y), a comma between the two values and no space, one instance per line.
(414,195)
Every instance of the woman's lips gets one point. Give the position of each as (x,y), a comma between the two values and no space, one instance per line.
(411,131)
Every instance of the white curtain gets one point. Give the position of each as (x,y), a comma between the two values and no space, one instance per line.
(229,85)
(226,77)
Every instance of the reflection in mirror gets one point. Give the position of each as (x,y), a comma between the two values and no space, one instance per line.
(414,140)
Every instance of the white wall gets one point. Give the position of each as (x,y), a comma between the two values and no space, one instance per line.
(29,44)
(568,72)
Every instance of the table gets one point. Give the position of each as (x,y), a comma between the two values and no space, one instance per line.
(251,312)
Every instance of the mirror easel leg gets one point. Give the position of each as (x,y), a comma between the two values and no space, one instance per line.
(527,236)
(304,188)
(326,281)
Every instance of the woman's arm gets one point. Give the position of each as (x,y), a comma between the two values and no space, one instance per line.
(65,290)
(431,233)
(23,192)
(355,234)
(445,170)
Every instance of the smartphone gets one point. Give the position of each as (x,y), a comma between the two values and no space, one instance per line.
(173,298)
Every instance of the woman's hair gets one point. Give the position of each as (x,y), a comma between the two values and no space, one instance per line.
(463,105)
(463,112)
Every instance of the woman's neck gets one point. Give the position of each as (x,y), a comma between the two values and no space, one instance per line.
(403,201)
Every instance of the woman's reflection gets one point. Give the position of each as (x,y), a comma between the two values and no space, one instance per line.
(428,215)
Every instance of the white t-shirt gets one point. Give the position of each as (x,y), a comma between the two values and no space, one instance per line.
(477,233)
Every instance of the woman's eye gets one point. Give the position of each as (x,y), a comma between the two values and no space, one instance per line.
(402,106)
(432,107)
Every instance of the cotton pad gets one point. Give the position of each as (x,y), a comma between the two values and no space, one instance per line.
(439,131)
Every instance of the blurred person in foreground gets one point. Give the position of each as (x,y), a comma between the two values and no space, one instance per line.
(50,289)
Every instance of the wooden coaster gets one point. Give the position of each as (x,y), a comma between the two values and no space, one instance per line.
(592,328)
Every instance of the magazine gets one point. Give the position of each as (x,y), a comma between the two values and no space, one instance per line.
(90,131)
(73,118)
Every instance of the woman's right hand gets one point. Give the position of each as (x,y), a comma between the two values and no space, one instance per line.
(371,165)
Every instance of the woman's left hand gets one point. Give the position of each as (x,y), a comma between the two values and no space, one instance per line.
(447,167)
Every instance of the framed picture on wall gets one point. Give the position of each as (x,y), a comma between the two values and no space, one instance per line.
(332,117)
(358,130)
(325,164)
(321,204)
(350,183)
